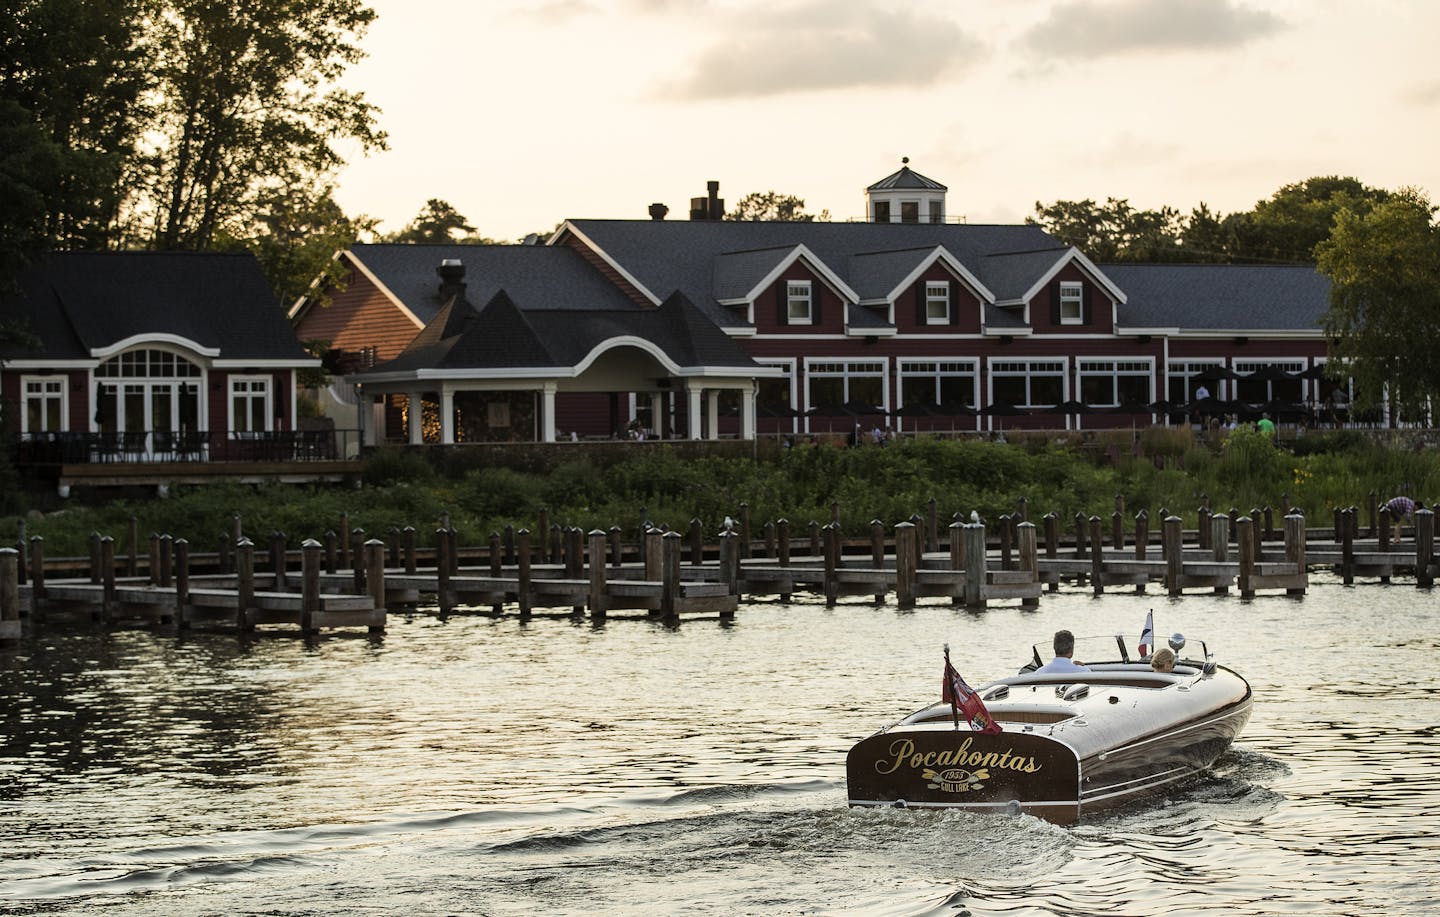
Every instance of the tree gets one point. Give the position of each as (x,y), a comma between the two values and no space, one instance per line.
(1113,231)
(438,223)
(1286,227)
(768,205)
(74,74)
(295,240)
(1383,262)
(246,107)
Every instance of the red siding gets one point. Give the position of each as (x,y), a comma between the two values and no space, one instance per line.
(965,306)
(770,305)
(358,317)
(1100,311)
(605,268)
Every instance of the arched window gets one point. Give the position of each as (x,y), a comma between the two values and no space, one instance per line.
(148,390)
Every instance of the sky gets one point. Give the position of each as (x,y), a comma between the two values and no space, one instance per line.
(523,114)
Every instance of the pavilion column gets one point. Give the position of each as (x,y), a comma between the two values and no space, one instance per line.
(416,413)
(693,390)
(657,413)
(547,412)
(447,416)
(747,412)
(712,412)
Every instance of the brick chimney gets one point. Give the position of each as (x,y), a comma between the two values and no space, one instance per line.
(452,279)
(711,207)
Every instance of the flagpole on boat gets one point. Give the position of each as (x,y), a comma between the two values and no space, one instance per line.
(950,690)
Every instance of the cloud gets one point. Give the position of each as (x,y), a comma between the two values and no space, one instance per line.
(1423,95)
(819,46)
(1093,28)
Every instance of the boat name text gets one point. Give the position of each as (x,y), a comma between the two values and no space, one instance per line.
(902,753)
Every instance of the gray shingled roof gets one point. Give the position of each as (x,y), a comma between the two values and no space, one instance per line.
(906,178)
(540,277)
(1011,275)
(737,273)
(678,255)
(503,336)
(1224,297)
(78,302)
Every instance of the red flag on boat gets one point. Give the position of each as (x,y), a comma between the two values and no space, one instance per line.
(962,697)
(1147,636)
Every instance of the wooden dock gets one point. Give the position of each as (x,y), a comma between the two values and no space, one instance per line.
(576,573)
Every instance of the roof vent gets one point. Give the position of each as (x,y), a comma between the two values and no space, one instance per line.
(658,211)
(452,277)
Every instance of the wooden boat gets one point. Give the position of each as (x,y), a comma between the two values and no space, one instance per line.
(1069,745)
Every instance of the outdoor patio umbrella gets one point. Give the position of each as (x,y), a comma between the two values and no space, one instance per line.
(1216,374)
(1002,409)
(1070,407)
(1271,374)
(1314,372)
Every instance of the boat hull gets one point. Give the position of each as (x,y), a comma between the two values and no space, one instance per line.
(1068,748)
(946,768)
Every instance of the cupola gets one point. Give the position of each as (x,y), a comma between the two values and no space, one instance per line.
(905,196)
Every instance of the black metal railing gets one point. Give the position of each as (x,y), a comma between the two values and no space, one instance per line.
(77,448)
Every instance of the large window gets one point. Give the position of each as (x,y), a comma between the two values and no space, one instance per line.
(148,390)
(1072,302)
(937,303)
(1028,383)
(1261,390)
(834,382)
(775,398)
(45,406)
(1108,383)
(249,404)
(1182,387)
(882,211)
(948,382)
(799,302)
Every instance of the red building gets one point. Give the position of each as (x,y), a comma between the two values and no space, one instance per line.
(707,328)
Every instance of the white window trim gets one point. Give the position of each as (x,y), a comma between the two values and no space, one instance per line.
(63,383)
(1029,373)
(906,370)
(269,398)
(932,287)
(1115,374)
(849,369)
(792,297)
(1076,295)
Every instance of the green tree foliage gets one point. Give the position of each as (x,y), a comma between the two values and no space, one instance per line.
(295,238)
(1288,225)
(1284,228)
(70,86)
(769,205)
(438,223)
(245,107)
(1113,231)
(1383,262)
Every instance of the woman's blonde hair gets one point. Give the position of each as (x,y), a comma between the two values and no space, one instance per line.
(1163,656)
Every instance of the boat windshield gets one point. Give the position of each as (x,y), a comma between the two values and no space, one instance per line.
(1089,650)
(1113,648)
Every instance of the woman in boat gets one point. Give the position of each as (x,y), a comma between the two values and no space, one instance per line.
(1163,660)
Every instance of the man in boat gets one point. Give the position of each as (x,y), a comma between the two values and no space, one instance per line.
(1062,663)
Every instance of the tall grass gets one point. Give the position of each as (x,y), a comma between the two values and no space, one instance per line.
(1169,471)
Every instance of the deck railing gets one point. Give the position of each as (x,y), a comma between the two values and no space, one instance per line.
(79,448)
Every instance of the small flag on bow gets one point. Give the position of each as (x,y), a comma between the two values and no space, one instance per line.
(962,698)
(1147,636)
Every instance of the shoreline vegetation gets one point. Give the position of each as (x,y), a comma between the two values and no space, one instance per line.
(1170,469)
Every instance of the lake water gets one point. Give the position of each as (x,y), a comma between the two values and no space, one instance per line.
(482,766)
